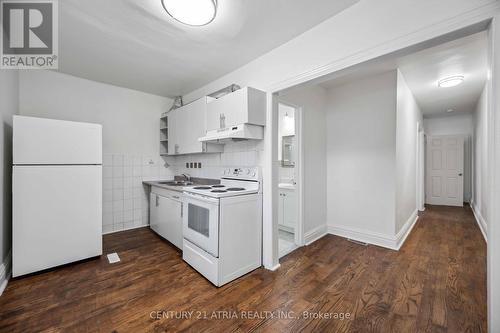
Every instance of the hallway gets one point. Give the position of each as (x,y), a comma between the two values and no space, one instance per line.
(436,282)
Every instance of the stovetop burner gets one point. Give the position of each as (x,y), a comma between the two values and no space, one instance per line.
(218,191)
(202,188)
(216,186)
(236,189)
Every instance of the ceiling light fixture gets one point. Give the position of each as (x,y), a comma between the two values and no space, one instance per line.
(451,81)
(450,110)
(191,12)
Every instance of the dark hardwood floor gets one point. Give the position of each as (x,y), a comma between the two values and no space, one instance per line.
(435,283)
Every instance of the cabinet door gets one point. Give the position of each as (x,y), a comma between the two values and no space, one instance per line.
(246,105)
(169,216)
(289,209)
(280,209)
(229,110)
(153,212)
(172,133)
(186,126)
(192,126)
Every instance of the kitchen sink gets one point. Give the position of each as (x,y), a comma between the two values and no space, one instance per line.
(176,183)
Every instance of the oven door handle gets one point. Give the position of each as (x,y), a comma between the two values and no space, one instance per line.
(190,196)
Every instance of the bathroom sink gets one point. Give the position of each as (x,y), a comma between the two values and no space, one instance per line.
(286,186)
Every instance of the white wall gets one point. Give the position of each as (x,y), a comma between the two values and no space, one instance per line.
(312,100)
(481,181)
(130,118)
(361,155)
(365,25)
(409,117)
(9,103)
(450,125)
(130,121)
(460,124)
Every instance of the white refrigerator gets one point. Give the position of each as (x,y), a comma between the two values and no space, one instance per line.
(56,193)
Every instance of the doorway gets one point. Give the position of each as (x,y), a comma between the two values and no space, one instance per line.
(446,112)
(289,185)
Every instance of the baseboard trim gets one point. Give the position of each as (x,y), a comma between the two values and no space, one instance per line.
(315,234)
(406,229)
(481,222)
(376,238)
(273,268)
(5,272)
(365,236)
(125,229)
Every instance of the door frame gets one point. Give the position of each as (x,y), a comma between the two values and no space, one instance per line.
(299,169)
(493,218)
(421,151)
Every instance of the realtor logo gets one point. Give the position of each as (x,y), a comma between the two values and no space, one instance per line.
(29,34)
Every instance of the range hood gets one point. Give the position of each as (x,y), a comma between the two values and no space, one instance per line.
(234,133)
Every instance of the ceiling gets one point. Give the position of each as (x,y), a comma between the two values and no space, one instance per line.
(136,44)
(422,70)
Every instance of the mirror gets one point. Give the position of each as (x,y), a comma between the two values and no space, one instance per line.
(286,135)
(287,151)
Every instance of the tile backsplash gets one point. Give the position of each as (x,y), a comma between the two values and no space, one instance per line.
(126,199)
(241,153)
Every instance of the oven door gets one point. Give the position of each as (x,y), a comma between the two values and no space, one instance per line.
(200,223)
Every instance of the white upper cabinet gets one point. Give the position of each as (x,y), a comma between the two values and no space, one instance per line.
(185,125)
(244,106)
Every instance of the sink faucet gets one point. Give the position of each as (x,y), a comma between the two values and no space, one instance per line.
(187,177)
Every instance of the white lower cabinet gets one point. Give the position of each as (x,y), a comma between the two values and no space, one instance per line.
(287,211)
(165,216)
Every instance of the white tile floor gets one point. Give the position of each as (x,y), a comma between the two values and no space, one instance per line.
(286,242)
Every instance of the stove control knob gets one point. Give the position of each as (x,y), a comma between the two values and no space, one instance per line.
(247,171)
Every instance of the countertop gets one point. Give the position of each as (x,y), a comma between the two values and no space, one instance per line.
(196,181)
(156,183)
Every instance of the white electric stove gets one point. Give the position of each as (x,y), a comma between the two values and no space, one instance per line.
(222,226)
(236,181)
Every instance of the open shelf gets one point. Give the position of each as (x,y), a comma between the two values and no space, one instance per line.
(164,134)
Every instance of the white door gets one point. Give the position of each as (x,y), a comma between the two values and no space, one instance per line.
(445,170)
(57,216)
